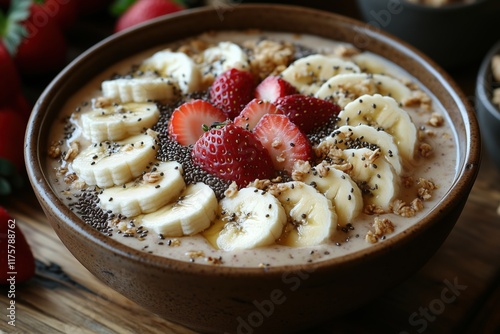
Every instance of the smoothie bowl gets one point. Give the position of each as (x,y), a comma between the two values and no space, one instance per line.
(265,168)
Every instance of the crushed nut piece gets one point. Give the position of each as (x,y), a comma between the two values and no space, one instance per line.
(418,99)
(214,260)
(372,209)
(231,190)
(382,226)
(55,150)
(73,151)
(70,178)
(425,150)
(403,209)
(103,102)
(345,51)
(371,238)
(300,169)
(436,120)
(425,189)
(151,177)
(269,57)
(195,254)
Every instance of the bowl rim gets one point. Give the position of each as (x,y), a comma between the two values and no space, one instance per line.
(465,175)
(483,82)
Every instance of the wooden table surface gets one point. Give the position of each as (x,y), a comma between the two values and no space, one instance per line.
(457,291)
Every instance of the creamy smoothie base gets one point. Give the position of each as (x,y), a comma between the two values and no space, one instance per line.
(361,233)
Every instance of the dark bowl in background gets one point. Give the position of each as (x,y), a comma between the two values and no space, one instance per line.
(488,113)
(452,35)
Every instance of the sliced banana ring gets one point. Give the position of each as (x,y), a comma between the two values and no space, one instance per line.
(339,188)
(345,88)
(312,218)
(374,175)
(115,163)
(308,74)
(118,121)
(251,218)
(384,112)
(190,214)
(156,188)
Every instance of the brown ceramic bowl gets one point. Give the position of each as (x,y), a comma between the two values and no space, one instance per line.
(278,299)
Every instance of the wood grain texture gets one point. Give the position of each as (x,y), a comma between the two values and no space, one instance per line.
(65,298)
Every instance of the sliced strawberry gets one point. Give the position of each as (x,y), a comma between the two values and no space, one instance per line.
(17,263)
(253,112)
(272,88)
(307,112)
(283,140)
(234,154)
(232,90)
(187,121)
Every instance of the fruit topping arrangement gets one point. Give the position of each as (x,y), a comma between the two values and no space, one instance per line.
(199,143)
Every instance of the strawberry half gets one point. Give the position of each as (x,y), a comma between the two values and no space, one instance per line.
(307,112)
(13,245)
(232,90)
(283,140)
(272,88)
(234,154)
(188,120)
(253,112)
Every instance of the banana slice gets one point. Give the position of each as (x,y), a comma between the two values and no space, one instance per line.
(384,112)
(339,188)
(192,213)
(146,194)
(222,57)
(344,88)
(374,175)
(177,66)
(312,217)
(115,163)
(125,90)
(369,63)
(309,73)
(362,135)
(249,219)
(119,121)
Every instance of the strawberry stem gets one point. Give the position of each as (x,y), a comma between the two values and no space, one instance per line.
(12,32)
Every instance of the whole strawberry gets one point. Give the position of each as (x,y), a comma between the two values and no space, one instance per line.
(307,112)
(234,154)
(44,48)
(10,83)
(144,10)
(232,90)
(17,263)
(12,129)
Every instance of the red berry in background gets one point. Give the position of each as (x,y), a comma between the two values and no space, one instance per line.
(13,243)
(232,90)
(10,83)
(64,12)
(234,154)
(144,10)
(12,129)
(44,49)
